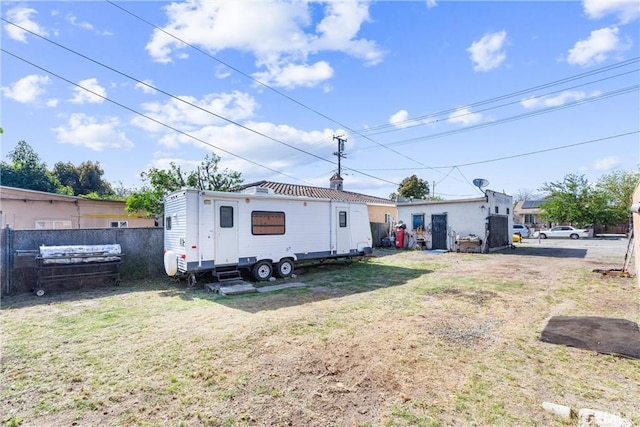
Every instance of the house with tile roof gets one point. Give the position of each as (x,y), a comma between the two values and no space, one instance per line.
(380,210)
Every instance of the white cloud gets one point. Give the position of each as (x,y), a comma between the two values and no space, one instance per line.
(74,21)
(145,87)
(253,146)
(606,163)
(556,100)
(488,52)
(81,96)
(291,75)
(596,48)
(234,106)
(22,16)
(28,89)
(431,4)
(399,119)
(85,131)
(465,117)
(280,44)
(626,10)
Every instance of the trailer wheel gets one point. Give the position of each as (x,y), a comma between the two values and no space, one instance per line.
(40,292)
(284,268)
(262,270)
(191,280)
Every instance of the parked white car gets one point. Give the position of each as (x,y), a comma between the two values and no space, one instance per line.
(564,231)
(521,230)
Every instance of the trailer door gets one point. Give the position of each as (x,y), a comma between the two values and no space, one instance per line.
(343,233)
(226,236)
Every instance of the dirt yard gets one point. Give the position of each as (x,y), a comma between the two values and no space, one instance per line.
(403,339)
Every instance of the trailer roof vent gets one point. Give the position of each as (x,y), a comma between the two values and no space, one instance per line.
(259,190)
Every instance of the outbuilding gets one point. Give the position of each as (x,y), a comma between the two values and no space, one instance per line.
(480,224)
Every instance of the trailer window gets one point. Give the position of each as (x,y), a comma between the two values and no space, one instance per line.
(167,223)
(342,217)
(267,223)
(226,216)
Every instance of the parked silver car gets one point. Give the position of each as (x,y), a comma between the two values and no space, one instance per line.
(564,231)
(521,230)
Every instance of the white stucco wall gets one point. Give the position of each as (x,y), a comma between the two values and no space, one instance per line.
(464,217)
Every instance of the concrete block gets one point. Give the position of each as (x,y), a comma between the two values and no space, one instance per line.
(559,410)
(593,418)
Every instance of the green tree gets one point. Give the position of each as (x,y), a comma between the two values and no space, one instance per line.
(160,182)
(577,201)
(84,179)
(618,188)
(412,187)
(27,170)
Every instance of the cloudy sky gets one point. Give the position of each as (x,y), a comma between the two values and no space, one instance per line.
(518,93)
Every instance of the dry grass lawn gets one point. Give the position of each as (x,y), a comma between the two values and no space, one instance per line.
(403,339)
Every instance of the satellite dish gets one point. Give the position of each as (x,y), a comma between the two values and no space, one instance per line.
(480,183)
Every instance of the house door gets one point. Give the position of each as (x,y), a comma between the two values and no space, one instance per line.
(226,234)
(439,231)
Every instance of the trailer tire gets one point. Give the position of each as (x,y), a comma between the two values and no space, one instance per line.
(170,263)
(40,292)
(284,268)
(262,270)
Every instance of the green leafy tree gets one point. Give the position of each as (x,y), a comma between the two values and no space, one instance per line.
(577,201)
(27,170)
(160,182)
(412,187)
(84,179)
(618,188)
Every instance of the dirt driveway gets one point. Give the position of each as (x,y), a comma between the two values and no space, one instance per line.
(404,339)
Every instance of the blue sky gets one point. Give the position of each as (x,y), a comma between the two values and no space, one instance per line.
(519,93)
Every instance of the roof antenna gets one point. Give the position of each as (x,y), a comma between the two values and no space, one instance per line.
(480,183)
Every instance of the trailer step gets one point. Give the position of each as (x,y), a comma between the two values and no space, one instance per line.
(231,289)
(227,276)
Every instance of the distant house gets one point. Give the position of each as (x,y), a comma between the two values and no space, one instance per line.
(23,209)
(528,212)
(444,224)
(380,210)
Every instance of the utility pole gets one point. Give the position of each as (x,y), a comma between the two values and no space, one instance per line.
(340,152)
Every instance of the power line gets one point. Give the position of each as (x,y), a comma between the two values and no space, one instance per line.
(530,153)
(264,84)
(183,101)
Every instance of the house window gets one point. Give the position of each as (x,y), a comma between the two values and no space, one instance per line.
(267,223)
(342,219)
(119,224)
(530,219)
(52,225)
(417,221)
(387,218)
(226,216)
(507,211)
(497,210)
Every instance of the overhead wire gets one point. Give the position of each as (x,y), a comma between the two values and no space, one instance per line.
(264,84)
(185,102)
(360,133)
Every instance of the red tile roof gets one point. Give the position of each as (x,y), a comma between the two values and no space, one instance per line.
(317,192)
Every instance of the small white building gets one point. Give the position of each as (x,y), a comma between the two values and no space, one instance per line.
(451,224)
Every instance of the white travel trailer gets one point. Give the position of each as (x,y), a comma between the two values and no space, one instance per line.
(257,231)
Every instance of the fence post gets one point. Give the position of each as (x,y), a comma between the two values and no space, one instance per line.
(7,261)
